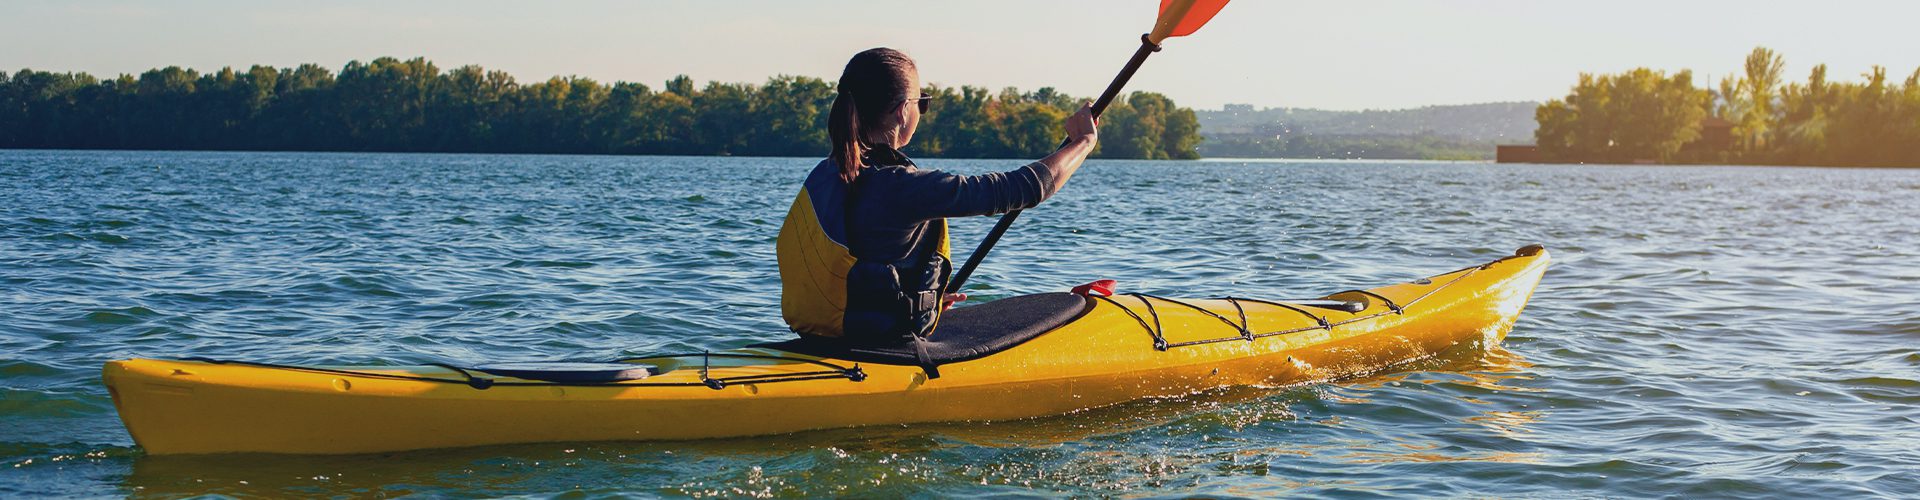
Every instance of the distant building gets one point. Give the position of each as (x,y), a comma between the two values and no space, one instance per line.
(1716,135)
(1516,153)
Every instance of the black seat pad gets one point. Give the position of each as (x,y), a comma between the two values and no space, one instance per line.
(965,332)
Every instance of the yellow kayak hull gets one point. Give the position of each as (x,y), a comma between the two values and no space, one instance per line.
(1105,357)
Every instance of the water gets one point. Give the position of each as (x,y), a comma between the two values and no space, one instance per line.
(1705,331)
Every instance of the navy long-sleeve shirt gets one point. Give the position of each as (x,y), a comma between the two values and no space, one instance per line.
(893,205)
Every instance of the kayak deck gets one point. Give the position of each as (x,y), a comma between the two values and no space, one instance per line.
(1121,348)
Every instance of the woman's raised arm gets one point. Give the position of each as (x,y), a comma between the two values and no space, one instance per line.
(1082,135)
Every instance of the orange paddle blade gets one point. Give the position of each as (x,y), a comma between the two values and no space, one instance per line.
(1183,17)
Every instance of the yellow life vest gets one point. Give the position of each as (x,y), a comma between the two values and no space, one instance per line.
(813,256)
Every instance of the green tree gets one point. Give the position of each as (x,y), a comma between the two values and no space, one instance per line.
(1757,91)
(390,97)
(789,117)
(675,119)
(1802,126)
(1179,136)
(465,110)
(1638,115)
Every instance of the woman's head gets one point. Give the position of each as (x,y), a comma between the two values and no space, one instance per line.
(876,105)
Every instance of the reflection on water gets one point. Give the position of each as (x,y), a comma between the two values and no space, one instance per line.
(1700,335)
(1509,424)
(1496,366)
(1430,452)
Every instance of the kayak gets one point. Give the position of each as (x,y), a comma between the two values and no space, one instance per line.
(1014,358)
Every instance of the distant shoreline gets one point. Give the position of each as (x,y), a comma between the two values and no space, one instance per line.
(1096,160)
(511,153)
(495,153)
(1736,165)
(822,156)
(415,106)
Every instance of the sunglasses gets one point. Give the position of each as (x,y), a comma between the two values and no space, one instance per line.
(924,102)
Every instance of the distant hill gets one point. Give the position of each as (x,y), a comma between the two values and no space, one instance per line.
(1434,132)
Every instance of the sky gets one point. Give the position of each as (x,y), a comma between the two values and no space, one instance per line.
(1330,54)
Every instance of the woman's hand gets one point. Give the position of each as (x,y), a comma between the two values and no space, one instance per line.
(1082,136)
(1082,125)
(953,298)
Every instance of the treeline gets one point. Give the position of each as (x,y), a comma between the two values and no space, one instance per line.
(1756,118)
(413,106)
(1345,146)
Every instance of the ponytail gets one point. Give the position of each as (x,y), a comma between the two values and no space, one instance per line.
(874,81)
(843,128)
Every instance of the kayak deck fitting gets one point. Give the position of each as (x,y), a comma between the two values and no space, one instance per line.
(1014,358)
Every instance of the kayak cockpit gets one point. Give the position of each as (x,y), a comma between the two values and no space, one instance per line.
(965,333)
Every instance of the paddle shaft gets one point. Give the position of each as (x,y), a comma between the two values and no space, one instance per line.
(1147,48)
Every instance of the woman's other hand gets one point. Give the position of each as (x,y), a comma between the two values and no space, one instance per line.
(1082,125)
(1082,136)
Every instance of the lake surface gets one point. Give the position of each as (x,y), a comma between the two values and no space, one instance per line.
(1704,332)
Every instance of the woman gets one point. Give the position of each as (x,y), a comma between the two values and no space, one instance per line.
(864,254)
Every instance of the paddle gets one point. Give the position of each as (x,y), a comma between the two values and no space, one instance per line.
(1177,18)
